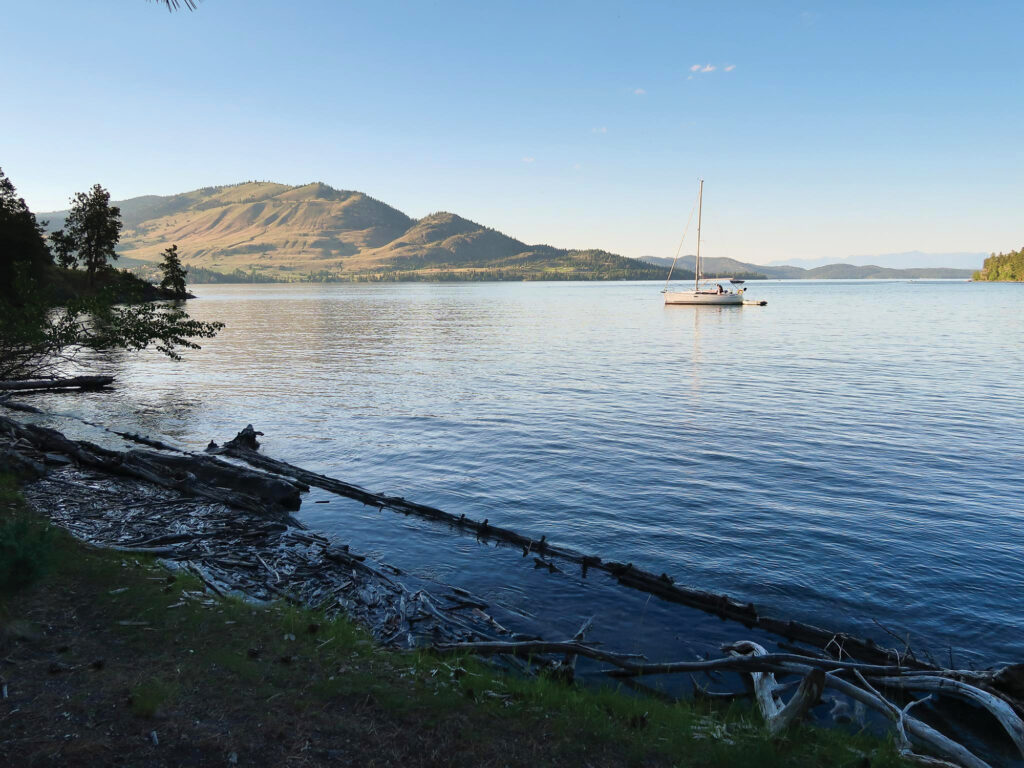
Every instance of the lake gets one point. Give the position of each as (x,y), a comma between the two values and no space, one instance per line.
(849,455)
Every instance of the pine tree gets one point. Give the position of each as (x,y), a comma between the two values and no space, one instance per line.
(174,274)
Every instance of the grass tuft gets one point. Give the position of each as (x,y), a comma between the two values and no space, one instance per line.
(149,696)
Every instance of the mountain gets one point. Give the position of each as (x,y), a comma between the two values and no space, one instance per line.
(267,230)
(259,231)
(907,260)
(722,267)
(712,266)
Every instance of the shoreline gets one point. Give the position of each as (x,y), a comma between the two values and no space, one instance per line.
(239,551)
(152,668)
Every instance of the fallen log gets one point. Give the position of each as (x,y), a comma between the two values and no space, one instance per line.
(960,755)
(995,705)
(76,382)
(238,551)
(813,671)
(201,476)
(244,446)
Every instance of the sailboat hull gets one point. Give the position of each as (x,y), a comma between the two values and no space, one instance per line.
(704,298)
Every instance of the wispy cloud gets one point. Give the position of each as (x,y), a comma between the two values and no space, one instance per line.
(599,129)
(576,166)
(529,159)
(640,92)
(703,69)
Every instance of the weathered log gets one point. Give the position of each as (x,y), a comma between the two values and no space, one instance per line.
(662,586)
(999,708)
(202,476)
(282,492)
(76,382)
(942,744)
(778,717)
(811,669)
(19,464)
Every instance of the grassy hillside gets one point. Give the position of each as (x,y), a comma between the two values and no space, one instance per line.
(262,230)
(259,231)
(1003,267)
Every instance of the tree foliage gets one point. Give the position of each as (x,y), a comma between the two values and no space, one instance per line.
(173,5)
(42,340)
(23,248)
(90,232)
(173,273)
(40,337)
(1003,266)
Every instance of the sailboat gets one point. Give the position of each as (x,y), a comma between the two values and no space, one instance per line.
(711,295)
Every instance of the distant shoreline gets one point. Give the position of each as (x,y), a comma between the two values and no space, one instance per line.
(606,280)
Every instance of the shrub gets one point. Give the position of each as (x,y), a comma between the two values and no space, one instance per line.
(26,545)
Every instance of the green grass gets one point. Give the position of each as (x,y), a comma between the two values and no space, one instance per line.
(149,696)
(174,655)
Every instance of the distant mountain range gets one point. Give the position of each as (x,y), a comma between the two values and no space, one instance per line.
(907,260)
(315,232)
(721,267)
(263,231)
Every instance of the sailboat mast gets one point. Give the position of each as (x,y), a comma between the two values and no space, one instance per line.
(700,209)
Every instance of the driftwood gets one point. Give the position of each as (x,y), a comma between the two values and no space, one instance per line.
(778,717)
(239,551)
(77,382)
(1000,709)
(244,446)
(202,476)
(752,659)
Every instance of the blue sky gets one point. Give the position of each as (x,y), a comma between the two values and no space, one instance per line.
(822,129)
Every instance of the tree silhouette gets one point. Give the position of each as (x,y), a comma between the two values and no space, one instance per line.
(90,232)
(24,253)
(174,274)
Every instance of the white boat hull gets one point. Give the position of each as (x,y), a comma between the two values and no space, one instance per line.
(704,297)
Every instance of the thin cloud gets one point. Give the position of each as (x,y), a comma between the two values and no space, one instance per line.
(730,68)
(576,166)
(705,68)
(640,92)
(599,129)
(529,159)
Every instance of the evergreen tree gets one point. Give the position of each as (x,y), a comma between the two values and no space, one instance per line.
(174,274)
(90,232)
(24,254)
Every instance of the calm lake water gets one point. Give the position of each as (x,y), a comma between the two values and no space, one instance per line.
(850,453)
